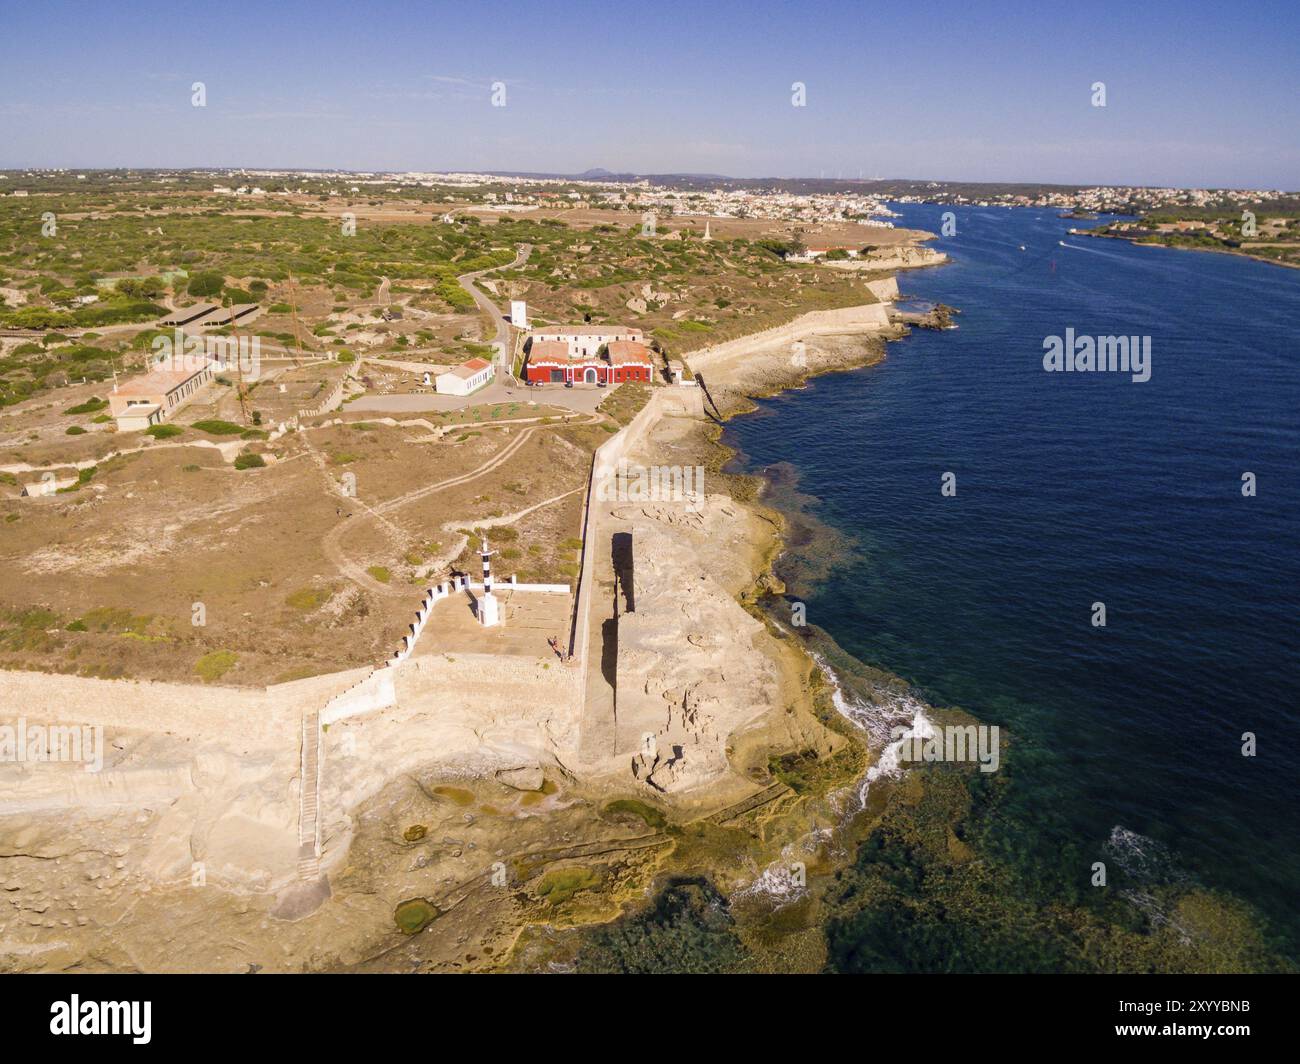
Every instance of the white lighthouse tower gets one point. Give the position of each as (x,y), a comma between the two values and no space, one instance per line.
(519,314)
(489,610)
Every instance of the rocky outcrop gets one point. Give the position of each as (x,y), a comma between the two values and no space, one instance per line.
(688,671)
(522,777)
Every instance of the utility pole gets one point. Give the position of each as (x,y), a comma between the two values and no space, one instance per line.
(293,310)
(239,372)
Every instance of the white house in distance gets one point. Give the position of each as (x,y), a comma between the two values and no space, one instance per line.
(585,341)
(466,378)
(519,314)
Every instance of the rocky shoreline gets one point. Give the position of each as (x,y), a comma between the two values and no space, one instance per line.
(495,863)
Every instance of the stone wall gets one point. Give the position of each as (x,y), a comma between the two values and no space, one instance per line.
(683,402)
(331,402)
(885,289)
(870,317)
(197,711)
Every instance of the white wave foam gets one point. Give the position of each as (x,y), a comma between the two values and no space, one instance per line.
(784,880)
(878,720)
(779,882)
(1142,857)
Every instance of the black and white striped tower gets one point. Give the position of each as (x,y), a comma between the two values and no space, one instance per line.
(489,610)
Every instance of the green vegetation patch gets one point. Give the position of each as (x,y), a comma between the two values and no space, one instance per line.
(631,808)
(414,915)
(561,884)
(115,620)
(217,427)
(308,598)
(214,665)
(687,929)
(163,432)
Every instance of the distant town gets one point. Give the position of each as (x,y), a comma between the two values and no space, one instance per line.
(864,201)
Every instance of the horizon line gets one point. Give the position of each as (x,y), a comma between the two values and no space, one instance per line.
(598,174)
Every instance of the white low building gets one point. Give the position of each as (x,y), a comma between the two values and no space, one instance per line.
(154,397)
(466,378)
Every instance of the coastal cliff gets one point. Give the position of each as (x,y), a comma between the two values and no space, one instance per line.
(699,669)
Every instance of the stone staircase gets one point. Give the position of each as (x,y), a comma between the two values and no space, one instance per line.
(308,799)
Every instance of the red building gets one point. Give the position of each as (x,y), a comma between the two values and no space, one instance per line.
(549,362)
(629,361)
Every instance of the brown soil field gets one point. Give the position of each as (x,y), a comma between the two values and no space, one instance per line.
(294,577)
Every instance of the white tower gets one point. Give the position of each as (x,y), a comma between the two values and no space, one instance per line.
(489,610)
(519,314)
(706,230)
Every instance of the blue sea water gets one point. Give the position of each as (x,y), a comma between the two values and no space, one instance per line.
(1074,489)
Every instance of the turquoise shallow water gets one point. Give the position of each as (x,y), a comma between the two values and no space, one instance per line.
(1074,489)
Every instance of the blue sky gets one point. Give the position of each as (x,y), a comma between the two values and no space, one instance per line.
(1197,93)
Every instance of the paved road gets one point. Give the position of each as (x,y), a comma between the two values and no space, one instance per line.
(501,321)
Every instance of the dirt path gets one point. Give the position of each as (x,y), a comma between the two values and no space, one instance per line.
(332,546)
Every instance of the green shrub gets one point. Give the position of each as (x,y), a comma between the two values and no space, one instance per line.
(216,427)
(163,432)
(116,621)
(117,312)
(205,284)
(37,318)
(88,407)
(250,461)
(75,430)
(216,664)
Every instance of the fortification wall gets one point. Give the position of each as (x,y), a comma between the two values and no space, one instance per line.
(885,289)
(197,711)
(869,317)
(684,402)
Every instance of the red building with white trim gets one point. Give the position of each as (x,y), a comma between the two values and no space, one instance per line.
(550,362)
(587,340)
